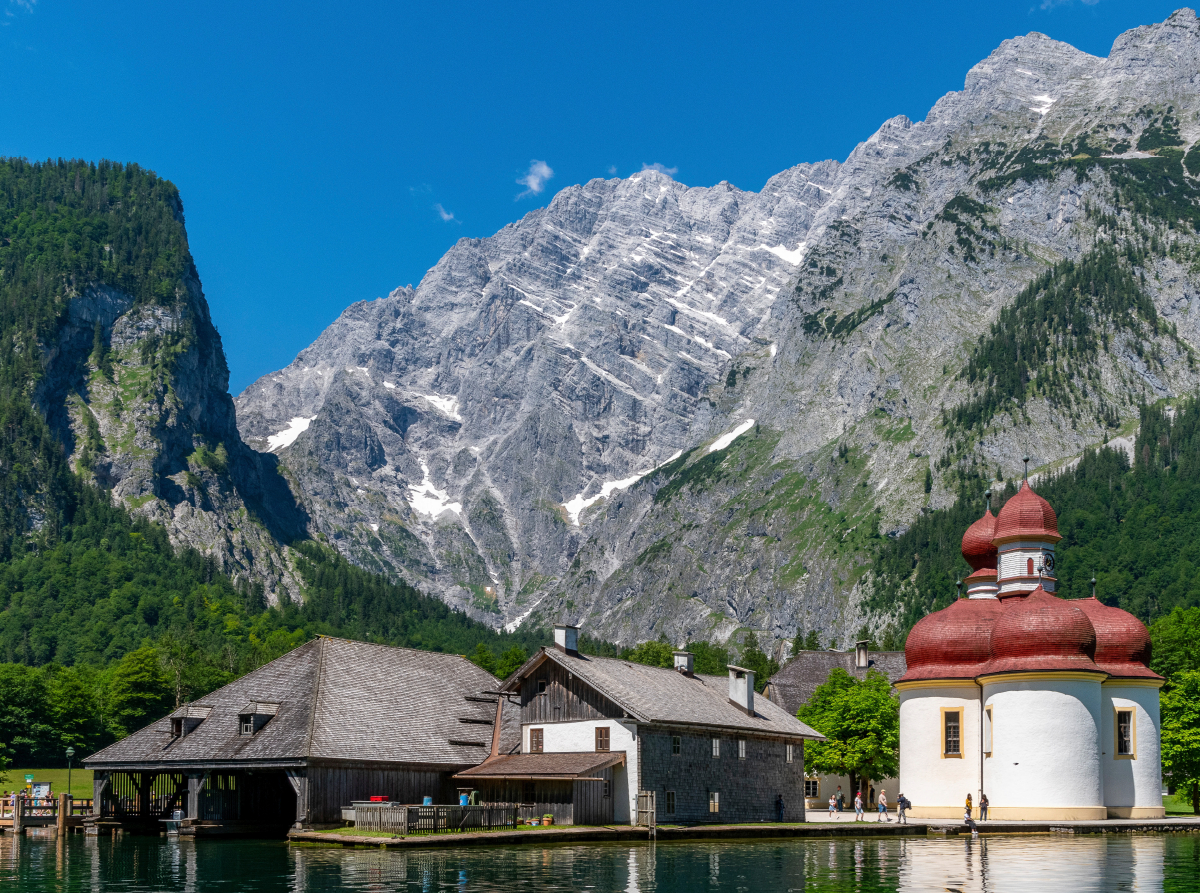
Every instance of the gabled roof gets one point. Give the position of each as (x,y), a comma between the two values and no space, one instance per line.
(660,695)
(333,699)
(793,686)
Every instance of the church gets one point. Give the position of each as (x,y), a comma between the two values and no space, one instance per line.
(1046,705)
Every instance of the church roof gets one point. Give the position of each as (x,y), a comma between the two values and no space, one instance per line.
(952,643)
(1041,633)
(1026,516)
(1123,645)
(977,547)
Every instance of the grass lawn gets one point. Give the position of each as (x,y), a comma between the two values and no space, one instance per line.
(1178,805)
(81,780)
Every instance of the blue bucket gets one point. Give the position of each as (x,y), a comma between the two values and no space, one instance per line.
(428,801)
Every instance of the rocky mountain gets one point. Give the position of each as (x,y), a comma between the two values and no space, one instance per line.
(694,411)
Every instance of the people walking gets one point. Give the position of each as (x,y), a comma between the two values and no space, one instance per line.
(902,805)
(883,807)
(858,808)
(832,806)
(983,807)
(841,799)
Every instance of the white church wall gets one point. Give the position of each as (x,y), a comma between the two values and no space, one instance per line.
(938,784)
(1046,761)
(1132,787)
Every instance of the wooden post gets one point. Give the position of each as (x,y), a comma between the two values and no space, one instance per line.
(64,812)
(18,814)
(99,783)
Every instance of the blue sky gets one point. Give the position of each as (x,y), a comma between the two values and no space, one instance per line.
(328,153)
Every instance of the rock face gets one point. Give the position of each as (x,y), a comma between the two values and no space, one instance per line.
(153,423)
(657,409)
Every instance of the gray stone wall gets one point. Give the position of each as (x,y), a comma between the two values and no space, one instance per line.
(747,787)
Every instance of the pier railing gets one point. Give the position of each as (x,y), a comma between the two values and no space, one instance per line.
(409,820)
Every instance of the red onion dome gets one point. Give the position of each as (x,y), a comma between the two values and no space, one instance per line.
(951,643)
(1122,641)
(983,575)
(1041,632)
(1026,516)
(977,545)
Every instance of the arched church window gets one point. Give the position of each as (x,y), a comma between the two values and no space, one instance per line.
(1029,565)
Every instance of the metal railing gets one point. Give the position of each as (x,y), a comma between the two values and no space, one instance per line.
(407,820)
(27,812)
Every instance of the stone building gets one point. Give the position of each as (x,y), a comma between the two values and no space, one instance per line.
(705,745)
(294,741)
(794,685)
(1047,705)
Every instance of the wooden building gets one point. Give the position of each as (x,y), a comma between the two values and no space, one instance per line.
(296,740)
(605,729)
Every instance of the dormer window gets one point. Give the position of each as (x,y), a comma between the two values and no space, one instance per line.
(185,719)
(254,716)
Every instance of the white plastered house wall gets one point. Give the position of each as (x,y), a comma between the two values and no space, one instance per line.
(827,786)
(1132,783)
(937,784)
(580,736)
(1045,762)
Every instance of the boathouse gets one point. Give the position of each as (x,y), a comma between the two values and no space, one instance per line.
(294,741)
(598,732)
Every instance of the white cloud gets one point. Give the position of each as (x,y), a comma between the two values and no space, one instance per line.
(1051,4)
(612,168)
(447,216)
(661,168)
(535,180)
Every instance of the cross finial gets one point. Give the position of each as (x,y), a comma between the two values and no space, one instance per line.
(987,494)
(1027,468)
(958,583)
(1093,584)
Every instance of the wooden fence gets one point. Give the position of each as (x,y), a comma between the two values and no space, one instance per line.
(408,820)
(20,812)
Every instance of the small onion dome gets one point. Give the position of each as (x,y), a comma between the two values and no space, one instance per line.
(1026,516)
(983,575)
(951,643)
(977,545)
(1122,641)
(1042,632)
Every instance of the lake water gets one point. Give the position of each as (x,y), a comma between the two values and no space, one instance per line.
(1057,864)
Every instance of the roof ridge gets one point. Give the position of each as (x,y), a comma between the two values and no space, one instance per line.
(316,695)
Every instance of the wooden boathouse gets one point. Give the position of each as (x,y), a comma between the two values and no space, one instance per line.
(291,743)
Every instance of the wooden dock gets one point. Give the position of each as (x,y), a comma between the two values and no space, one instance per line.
(63,813)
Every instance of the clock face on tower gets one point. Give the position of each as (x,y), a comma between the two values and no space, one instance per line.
(1048,562)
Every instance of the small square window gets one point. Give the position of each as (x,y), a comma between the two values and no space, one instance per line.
(716,750)
(541,686)
(246,724)
(669,803)
(529,793)
(676,745)
(535,741)
(741,748)
(791,753)
(812,787)
(607,788)
(714,801)
(601,739)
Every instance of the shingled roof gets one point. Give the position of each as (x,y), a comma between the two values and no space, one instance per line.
(793,686)
(545,766)
(660,695)
(337,700)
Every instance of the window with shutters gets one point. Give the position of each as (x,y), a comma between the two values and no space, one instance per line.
(601,738)
(1126,732)
(714,801)
(535,741)
(952,732)
(716,750)
(669,803)
(676,745)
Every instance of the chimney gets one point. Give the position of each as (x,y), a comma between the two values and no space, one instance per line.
(861,658)
(741,689)
(566,638)
(684,662)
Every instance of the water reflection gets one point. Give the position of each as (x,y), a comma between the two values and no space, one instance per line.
(864,865)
